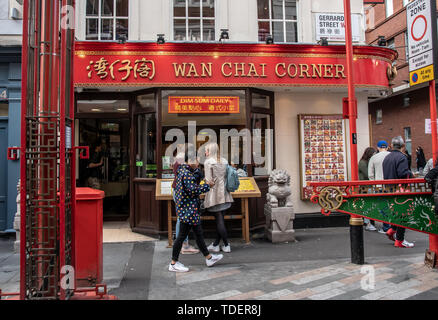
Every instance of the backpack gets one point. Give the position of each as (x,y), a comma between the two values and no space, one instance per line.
(232,182)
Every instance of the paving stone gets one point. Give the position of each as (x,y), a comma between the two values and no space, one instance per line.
(350,294)
(327,294)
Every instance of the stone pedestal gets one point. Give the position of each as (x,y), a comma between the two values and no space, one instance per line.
(279,224)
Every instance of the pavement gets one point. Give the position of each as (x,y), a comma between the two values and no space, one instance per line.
(316,267)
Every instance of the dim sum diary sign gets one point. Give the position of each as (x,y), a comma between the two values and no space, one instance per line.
(205,104)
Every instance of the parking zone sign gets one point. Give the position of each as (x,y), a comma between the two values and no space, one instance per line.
(422,33)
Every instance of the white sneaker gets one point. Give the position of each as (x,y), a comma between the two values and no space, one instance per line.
(178,267)
(370,227)
(407,244)
(214,258)
(213,248)
(381,231)
(226,248)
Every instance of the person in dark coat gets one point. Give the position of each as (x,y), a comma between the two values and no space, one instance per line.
(432,178)
(421,159)
(395,166)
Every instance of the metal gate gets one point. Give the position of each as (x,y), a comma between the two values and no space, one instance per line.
(47,168)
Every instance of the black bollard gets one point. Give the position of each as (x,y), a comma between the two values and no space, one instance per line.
(356,241)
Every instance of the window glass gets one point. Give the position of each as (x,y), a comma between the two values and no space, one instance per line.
(379,115)
(92,7)
(389,7)
(91,29)
(263,9)
(278,18)
(122,8)
(107,8)
(260,101)
(206,123)
(262,146)
(4,109)
(194,20)
(106,19)
(145,158)
(145,101)
(208,8)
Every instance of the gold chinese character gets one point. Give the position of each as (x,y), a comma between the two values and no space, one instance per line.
(100,66)
(144,68)
(112,68)
(128,68)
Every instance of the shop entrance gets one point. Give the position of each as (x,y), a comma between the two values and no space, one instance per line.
(107,168)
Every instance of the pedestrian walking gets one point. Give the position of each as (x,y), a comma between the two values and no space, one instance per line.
(421,159)
(375,172)
(182,149)
(432,179)
(429,165)
(363,175)
(395,166)
(218,199)
(187,192)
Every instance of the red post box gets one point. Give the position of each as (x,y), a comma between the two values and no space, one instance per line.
(88,237)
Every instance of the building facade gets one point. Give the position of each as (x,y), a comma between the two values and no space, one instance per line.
(405,111)
(10,106)
(139,64)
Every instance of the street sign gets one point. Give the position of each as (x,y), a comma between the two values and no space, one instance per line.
(422,38)
(332,26)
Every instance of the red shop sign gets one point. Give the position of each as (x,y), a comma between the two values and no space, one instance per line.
(204,105)
(226,65)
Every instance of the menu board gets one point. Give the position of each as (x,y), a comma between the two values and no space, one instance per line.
(322,150)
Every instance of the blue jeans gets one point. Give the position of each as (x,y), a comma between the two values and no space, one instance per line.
(178,226)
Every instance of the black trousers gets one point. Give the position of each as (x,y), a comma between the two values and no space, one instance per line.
(220,229)
(184,230)
(400,233)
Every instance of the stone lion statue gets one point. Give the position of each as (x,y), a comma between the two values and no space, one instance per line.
(279,192)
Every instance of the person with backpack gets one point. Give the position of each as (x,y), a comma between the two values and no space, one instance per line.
(187,202)
(219,198)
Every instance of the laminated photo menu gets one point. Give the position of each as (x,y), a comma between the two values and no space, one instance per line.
(322,150)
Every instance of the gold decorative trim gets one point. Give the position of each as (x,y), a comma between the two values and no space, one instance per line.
(182,85)
(224,54)
(356,222)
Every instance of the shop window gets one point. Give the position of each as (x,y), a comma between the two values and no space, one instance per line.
(262,145)
(379,114)
(389,7)
(408,139)
(145,160)
(208,122)
(4,109)
(106,19)
(279,19)
(194,20)
(102,106)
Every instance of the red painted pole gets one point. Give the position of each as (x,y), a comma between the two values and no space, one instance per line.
(356,222)
(433,239)
(352,105)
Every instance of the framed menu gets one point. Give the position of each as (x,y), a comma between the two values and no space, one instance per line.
(322,150)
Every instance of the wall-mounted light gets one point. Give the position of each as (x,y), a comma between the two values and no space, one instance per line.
(406,101)
(269,39)
(160,38)
(224,35)
(123,38)
(381,42)
(323,41)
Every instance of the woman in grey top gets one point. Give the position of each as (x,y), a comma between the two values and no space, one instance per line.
(218,199)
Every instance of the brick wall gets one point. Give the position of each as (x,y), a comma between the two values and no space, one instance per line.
(395,118)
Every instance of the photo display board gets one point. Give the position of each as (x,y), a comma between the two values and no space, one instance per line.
(322,150)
